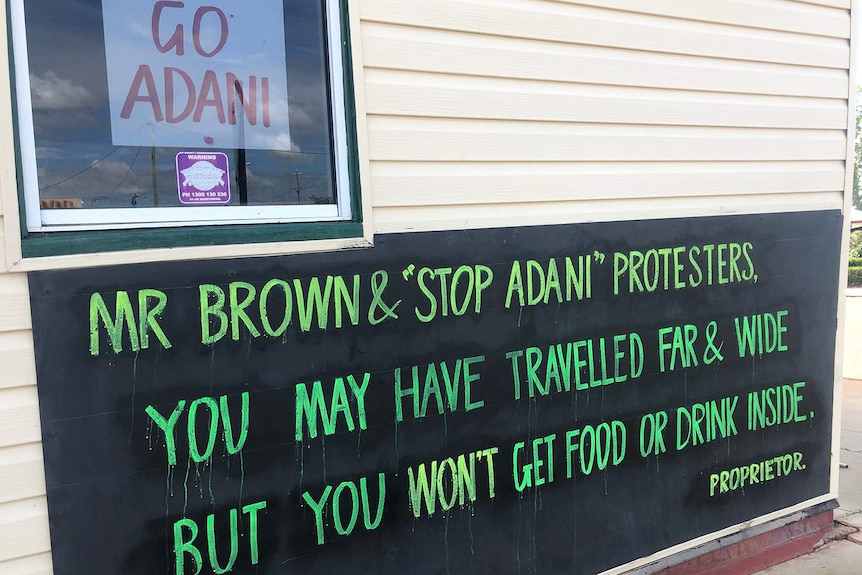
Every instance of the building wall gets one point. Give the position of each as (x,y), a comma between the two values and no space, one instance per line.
(483,113)
(547,111)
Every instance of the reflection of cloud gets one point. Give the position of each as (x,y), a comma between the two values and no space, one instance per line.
(49,153)
(50,92)
(140,30)
(260,182)
(299,117)
(294,158)
(210,36)
(283,147)
(110,169)
(106,181)
(279,141)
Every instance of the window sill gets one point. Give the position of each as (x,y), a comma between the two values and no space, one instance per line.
(87,249)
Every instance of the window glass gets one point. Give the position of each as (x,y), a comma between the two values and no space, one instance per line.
(177,112)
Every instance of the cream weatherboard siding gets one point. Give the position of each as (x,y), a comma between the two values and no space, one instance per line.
(24,540)
(484,113)
(512,112)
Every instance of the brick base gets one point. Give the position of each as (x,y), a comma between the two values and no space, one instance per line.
(760,551)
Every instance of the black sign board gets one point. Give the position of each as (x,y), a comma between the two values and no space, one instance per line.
(524,400)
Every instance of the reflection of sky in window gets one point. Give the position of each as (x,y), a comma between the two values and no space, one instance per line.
(75,154)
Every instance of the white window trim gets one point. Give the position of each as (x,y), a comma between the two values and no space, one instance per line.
(43,220)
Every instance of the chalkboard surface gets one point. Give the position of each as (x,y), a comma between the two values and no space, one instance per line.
(525,400)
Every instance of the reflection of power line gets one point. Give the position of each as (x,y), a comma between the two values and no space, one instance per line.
(312,182)
(297,173)
(192,132)
(229,144)
(326,171)
(97,162)
(303,153)
(307,181)
(153,166)
(126,175)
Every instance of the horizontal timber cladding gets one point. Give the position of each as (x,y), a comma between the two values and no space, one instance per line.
(477,216)
(395,47)
(19,423)
(22,472)
(473,105)
(766,14)
(574,24)
(14,314)
(483,401)
(439,183)
(16,357)
(39,564)
(422,94)
(831,3)
(23,529)
(414,139)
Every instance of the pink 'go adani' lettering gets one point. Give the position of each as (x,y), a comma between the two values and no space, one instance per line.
(177,39)
(143,90)
(209,94)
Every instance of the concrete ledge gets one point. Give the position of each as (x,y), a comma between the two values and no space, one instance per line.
(751,549)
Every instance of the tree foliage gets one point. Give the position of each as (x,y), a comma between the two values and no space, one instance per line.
(857,156)
(856,244)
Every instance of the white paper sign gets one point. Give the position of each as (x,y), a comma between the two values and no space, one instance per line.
(193,74)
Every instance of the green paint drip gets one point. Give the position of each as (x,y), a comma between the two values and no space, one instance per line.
(241,476)
(186,487)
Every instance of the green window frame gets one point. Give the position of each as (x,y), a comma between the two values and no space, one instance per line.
(47,242)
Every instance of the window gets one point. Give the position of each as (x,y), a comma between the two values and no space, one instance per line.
(172,113)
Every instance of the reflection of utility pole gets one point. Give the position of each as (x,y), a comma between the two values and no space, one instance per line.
(153,162)
(241,165)
(298,187)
